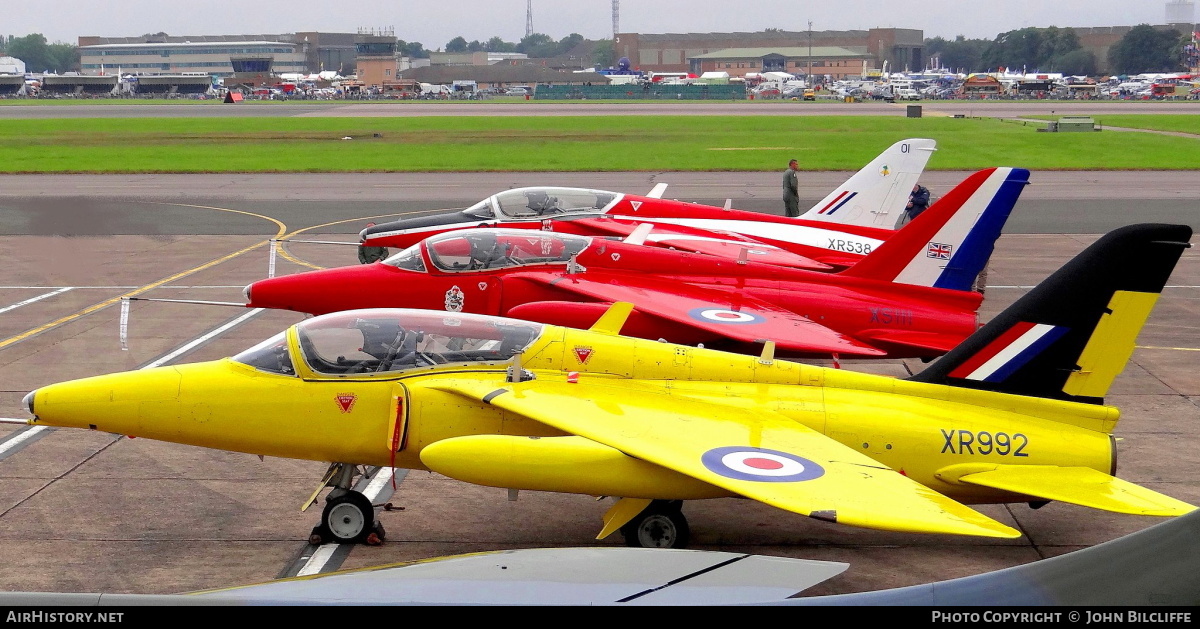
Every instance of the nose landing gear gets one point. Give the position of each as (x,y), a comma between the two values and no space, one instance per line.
(349,516)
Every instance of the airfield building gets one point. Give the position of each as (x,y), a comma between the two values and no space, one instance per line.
(835,62)
(219,55)
(678,52)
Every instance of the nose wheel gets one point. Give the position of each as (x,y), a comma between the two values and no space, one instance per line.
(660,525)
(348,518)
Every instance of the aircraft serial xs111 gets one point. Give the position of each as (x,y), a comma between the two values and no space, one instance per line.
(1014,414)
(910,297)
(845,225)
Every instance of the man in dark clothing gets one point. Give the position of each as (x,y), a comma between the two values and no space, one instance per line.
(791,190)
(367,255)
(917,201)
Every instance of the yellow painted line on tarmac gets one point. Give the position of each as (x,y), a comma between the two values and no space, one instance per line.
(108,302)
(1177,349)
(137,291)
(282,227)
(283,252)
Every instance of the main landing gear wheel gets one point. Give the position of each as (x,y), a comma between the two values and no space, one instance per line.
(660,525)
(348,519)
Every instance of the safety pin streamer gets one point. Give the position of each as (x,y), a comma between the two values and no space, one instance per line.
(125,324)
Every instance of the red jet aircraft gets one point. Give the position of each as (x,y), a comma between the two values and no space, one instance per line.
(909,298)
(837,232)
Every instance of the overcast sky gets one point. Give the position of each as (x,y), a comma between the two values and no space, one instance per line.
(435,23)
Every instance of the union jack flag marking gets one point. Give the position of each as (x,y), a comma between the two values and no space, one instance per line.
(939,251)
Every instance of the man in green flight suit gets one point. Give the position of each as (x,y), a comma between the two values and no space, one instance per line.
(791,190)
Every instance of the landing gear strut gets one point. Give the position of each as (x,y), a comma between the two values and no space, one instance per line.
(660,525)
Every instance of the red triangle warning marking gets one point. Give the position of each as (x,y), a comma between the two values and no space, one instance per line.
(346,401)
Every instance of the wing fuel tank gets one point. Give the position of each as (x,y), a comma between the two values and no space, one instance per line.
(560,464)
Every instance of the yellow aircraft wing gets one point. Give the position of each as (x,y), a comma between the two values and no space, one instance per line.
(756,453)
(1079,485)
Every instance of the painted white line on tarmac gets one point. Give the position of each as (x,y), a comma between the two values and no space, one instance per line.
(187,347)
(20,439)
(376,485)
(318,559)
(33,299)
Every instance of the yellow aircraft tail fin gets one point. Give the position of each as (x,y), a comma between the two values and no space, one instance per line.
(1078,485)
(1072,335)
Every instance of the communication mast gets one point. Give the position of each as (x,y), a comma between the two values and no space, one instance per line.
(528,18)
(616,17)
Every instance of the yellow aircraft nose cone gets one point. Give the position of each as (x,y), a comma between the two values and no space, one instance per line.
(113,403)
(27,401)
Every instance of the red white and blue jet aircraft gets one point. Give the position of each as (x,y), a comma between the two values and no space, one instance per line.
(910,297)
(837,232)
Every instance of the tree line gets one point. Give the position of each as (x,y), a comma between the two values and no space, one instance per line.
(539,46)
(1142,49)
(40,56)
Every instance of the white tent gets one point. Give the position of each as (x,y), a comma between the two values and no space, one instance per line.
(11,65)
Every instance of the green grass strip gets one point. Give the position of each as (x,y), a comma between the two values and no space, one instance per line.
(561,143)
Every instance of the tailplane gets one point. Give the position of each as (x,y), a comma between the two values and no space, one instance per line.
(1072,335)
(947,245)
(876,195)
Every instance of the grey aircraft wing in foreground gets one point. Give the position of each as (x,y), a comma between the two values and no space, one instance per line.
(1156,566)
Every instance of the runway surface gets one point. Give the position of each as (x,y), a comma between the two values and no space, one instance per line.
(90,512)
(1055,202)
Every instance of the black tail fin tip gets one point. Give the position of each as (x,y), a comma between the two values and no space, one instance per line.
(1036,346)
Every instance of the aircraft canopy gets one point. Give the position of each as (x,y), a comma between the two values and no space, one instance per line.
(478,249)
(546,201)
(398,340)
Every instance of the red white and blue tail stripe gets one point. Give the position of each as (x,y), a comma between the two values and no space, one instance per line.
(837,203)
(1009,352)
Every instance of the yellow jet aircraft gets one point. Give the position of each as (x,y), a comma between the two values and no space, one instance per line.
(1015,414)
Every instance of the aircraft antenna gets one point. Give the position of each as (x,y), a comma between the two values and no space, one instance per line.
(616,17)
(528,17)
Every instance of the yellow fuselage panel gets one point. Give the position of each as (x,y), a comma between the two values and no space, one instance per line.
(589,352)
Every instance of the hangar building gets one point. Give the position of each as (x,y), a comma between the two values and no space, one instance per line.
(673,52)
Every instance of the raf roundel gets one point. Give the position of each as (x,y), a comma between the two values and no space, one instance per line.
(721,315)
(759,464)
